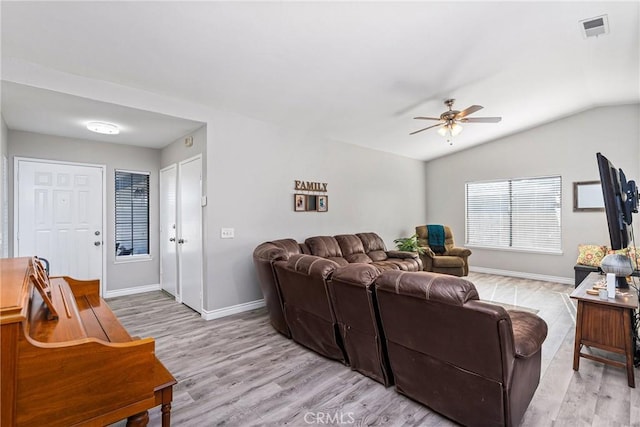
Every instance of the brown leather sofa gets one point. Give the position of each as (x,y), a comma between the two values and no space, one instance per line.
(307,308)
(472,361)
(352,293)
(343,249)
(366,248)
(263,258)
(454,260)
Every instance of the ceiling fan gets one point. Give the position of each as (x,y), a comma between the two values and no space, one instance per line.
(449,121)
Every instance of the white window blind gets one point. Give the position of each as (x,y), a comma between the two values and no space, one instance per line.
(523,214)
(132,213)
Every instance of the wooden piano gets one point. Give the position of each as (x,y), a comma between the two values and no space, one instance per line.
(66,359)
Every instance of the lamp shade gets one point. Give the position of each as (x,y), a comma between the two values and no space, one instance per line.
(455,129)
(617,264)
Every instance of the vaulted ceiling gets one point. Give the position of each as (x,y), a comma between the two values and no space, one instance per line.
(356,72)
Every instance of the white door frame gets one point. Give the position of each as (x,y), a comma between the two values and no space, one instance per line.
(16,217)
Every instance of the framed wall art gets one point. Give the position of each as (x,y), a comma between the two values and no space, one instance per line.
(587,196)
(299,202)
(323,203)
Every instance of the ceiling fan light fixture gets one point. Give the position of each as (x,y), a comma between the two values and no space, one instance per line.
(455,129)
(450,130)
(103,128)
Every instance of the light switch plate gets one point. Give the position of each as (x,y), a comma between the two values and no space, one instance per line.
(227,233)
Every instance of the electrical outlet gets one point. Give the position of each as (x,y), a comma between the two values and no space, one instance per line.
(227,233)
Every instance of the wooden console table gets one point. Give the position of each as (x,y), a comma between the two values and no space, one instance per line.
(605,324)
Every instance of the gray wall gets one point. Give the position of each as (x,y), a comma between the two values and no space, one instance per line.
(252,167)
(114,156)
(4,208)
(566,147)
(177,151)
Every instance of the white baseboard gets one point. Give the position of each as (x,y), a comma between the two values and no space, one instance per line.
(234,309)
(532,276)
(131,291)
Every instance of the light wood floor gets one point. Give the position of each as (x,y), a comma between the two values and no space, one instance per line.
(237,371)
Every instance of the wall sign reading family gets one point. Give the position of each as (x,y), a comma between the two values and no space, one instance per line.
(310,202)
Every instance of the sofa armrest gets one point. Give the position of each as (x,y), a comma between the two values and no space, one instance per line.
(529,332)
(402,254)
(427,251)
(461,252)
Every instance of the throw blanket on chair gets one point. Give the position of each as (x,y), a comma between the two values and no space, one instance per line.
(435,235)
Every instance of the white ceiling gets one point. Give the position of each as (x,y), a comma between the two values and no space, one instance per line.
(32,109)
(356,72)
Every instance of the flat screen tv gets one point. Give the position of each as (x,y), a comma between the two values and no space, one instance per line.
(620,201)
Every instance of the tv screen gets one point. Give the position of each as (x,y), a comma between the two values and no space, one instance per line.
(620,200)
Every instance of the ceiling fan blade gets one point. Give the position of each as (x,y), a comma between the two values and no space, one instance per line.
(468,111)
(427,118)
(413,133)
(480,120)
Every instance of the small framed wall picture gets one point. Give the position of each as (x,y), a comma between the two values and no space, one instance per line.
(323,203)
(312,202)
(299,202)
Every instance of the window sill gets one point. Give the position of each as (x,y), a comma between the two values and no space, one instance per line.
(526,251)
(132,258)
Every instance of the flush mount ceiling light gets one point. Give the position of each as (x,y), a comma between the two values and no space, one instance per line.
(103,128)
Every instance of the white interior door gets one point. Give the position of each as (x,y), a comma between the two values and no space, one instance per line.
(59,216)
(190,232)
(168,249)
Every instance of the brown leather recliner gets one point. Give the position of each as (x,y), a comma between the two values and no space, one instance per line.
(352,293)
(469,360)
(263,257)
(454,260)
(307,307)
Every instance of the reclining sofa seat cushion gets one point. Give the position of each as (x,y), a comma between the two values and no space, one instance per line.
(263,258)
(352,293)
(307,308)
(326,247)
(469,360)
(352,248)
(375,249)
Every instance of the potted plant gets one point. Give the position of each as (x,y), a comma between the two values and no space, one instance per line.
(409,244)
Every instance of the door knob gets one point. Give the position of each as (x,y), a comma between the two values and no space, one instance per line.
(172,239)
(97,243)
(181,241)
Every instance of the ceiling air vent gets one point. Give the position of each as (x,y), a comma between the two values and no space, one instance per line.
(593,27)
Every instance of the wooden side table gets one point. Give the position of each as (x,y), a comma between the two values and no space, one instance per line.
(605,324)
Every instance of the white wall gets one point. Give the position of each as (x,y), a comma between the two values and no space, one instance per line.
(4,205)
(566,147)
(114,156)
(251,167)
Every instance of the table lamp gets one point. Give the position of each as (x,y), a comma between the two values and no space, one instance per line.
(617,267)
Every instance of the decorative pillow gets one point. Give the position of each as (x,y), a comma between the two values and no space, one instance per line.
(591,255)
(633,254)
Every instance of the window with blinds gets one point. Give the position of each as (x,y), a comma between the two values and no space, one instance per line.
(522,214)
(132,213)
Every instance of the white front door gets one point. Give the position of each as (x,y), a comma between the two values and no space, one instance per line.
(168,232)
(190,232)
(59,216)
